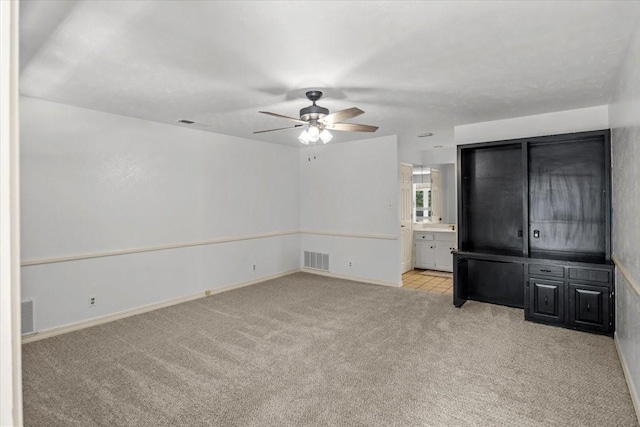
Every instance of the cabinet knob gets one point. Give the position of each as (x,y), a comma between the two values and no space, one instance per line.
(546,300)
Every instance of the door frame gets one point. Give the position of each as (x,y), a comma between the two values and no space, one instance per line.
(406,227)
(10,337)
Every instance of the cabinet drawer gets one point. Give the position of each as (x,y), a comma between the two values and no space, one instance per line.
(546,270)
(603,276)
(424,236)
(589,306)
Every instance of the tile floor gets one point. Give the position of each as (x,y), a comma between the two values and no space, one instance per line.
(414,279)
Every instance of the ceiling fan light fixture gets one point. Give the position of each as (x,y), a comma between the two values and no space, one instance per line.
(304,137)
(318,121)
(314,133)
(325,136)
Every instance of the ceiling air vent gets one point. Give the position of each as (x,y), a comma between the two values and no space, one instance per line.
(192,123)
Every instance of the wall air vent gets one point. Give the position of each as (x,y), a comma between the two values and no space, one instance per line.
(316,260)
(26,314)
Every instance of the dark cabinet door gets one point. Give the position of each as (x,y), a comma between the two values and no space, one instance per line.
(589,307)
(568,198)
(546,301)
(496,282)
(491,199)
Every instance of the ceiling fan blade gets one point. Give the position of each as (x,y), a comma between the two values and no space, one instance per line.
(342,115)
(271,130)
(352,127)
(293,119)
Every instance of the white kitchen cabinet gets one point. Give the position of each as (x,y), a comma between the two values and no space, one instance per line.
(425,252)
(444,259)
(433,250)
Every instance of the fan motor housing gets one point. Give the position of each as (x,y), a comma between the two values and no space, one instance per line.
(313,112)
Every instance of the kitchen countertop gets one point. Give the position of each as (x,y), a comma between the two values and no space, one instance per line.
(433,230)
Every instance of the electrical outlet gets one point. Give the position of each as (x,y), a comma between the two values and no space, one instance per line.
(350,264)
(254,267)
(92,301)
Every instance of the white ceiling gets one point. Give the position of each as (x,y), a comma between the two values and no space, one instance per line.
(412,67)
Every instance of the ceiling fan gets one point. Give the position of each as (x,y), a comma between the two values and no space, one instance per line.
(318,121)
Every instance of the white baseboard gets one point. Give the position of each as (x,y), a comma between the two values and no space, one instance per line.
(48,333)
(352,278)
(635,397)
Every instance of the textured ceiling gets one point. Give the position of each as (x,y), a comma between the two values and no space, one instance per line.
(412,67)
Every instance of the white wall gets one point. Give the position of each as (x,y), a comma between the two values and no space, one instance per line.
(625,123)
(579,120)
(411,151)
(100,184)
(352,189)
(94,183)
(10,348)
(439,156)
(414,150)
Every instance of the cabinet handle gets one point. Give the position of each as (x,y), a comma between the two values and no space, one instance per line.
(545,271)
(546,300)
(588,307)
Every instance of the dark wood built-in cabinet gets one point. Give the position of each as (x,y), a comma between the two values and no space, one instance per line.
(534,220)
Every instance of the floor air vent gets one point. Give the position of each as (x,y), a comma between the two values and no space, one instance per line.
(316,260)
(26,313)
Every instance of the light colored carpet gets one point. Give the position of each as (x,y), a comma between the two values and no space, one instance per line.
(306,350)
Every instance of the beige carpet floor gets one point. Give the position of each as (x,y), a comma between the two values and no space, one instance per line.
(306,350)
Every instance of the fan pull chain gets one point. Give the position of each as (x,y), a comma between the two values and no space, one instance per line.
(311,152)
